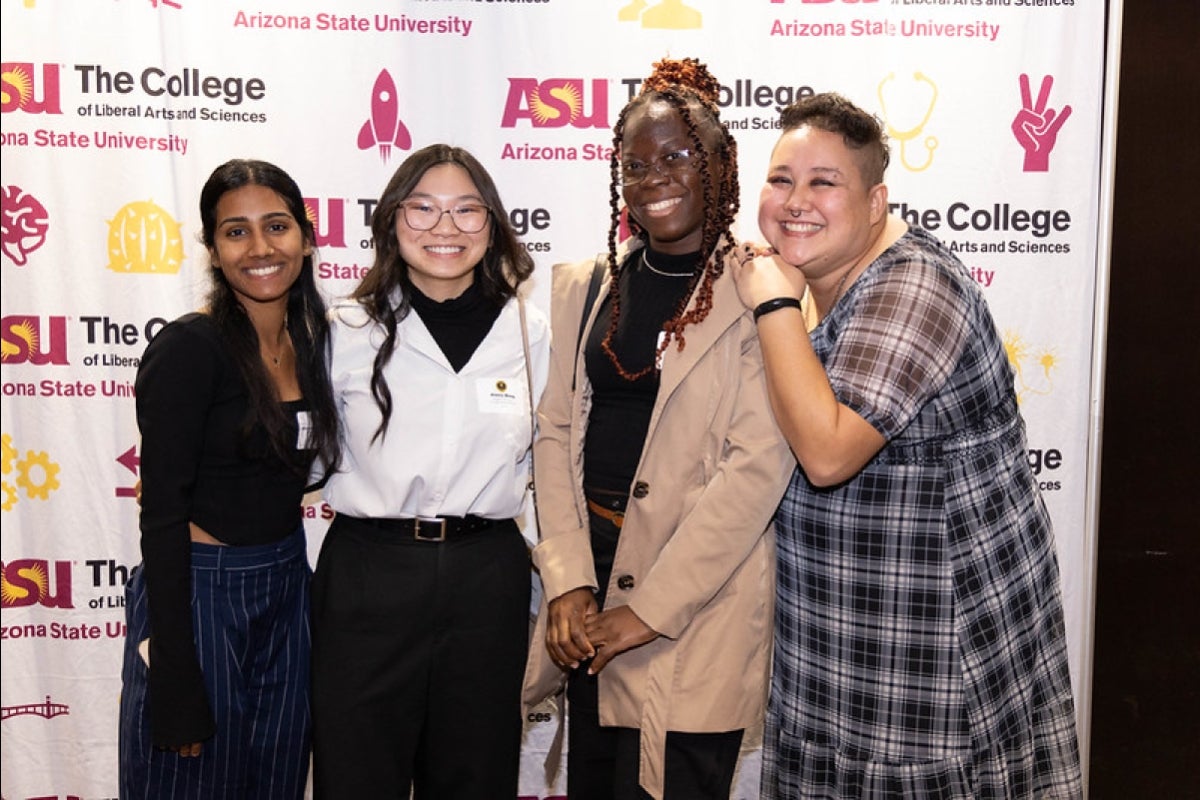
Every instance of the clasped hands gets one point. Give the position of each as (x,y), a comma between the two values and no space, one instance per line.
(577,630)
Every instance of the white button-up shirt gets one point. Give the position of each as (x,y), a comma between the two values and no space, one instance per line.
(457,443)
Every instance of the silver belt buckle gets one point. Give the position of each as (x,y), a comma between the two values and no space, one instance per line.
(420,524)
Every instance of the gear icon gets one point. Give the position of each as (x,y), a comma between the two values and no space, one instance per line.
(9,455)
(10,496)
(49,475)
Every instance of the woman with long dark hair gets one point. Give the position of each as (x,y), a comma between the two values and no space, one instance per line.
(234,404)
(421,595)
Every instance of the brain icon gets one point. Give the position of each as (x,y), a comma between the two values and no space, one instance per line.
(24,223)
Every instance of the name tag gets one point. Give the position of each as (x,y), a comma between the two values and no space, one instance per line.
(500,396)
(303,429)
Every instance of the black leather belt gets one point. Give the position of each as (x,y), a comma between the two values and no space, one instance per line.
(433,529)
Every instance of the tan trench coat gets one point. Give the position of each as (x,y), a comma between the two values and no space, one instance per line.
(695,559)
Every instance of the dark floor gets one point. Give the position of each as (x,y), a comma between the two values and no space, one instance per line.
(1146,690)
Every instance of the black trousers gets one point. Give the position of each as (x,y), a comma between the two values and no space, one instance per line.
(602,762)
(418,657)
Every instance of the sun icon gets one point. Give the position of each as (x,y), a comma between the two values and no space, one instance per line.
(27,333)
(567,95)
(35,574)
(16,80)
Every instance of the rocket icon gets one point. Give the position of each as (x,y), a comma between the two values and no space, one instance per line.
(384,127)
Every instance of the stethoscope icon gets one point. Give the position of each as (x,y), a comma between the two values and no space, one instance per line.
(904,137)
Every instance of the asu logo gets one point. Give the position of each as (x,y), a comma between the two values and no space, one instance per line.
(26,582)
(555,103)
(329,228)
(18,87)
(22,342)
(142,237)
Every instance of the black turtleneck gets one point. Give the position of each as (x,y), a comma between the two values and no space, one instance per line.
(621,409)
(459,324)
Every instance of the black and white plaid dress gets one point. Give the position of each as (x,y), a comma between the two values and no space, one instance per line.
(920,648)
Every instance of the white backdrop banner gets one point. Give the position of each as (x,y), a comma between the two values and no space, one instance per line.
(114,113)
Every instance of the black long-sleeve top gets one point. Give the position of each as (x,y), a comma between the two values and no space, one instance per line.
(196,466)
(621,409)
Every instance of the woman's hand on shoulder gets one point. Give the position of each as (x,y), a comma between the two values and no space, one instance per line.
(761,275)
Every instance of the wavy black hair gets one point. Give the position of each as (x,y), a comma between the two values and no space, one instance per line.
(504,266)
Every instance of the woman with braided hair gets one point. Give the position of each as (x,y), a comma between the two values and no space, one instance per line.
(658,466)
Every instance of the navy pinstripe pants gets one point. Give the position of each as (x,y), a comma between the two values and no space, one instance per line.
(250,611)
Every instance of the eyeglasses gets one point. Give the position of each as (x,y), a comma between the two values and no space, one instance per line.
(673,165)
(422,216)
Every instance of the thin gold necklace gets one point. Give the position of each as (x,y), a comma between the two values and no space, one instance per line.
(282,349)
(650,267)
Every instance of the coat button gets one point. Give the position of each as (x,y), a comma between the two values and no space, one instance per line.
(625,583)
(641,489)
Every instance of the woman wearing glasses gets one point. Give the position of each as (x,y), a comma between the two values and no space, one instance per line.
(658,469)
(421,592)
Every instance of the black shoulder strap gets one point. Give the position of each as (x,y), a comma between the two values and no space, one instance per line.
(592,291)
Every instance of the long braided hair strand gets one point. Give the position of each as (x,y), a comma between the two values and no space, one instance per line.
(688,86)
